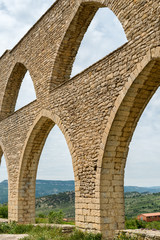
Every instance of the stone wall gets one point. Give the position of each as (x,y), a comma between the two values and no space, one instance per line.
(97,110)
(139,234)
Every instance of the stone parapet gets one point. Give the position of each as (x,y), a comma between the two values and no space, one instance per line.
(139,234)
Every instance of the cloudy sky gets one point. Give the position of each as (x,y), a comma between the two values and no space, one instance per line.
(104,35)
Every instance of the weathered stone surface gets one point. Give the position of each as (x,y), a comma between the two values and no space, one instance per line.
(140,234)
(97,110)
(12,236)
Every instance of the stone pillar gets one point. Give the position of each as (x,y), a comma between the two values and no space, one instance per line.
(87,211)
(112,211)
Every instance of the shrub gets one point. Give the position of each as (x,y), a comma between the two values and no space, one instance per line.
(41,220)
(84,236)
(134,224)
(41,215)
(4,228)
(56,217)
(3,211)
(20,228)
(123,236)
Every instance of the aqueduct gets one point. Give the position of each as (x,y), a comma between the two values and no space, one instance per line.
(97,110)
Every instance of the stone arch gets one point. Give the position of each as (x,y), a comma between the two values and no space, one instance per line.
(72,39)
(12,89)
(104,35)
(132,100)
(83,13)
(71,42)
(126,12)
(29,163)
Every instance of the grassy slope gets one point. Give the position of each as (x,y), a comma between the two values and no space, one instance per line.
(136,203)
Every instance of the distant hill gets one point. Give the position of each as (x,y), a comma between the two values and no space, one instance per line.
(43,188)
(138,200)
(4,191)
(64,201)
(135,203)
(142,189)
(49,187)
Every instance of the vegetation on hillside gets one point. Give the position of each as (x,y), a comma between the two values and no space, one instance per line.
(136,203)
(53,209)
(49,209)
(61,201)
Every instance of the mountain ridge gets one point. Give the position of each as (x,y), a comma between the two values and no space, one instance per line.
(43,188)
(49,187)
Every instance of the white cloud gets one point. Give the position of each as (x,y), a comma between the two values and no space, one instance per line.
(17,17)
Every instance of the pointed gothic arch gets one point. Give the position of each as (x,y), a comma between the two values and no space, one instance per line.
(74,34)
(128,108)
(12,89)
(71,42)
(26,93)
(29,163)
(104,35)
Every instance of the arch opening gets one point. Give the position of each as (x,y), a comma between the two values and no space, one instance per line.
(55,177)
(142,166)
(144,146)
(104,35)
(18,74)
(26,93)
(117,146)
(72,40)
(29,167)
(3,188)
